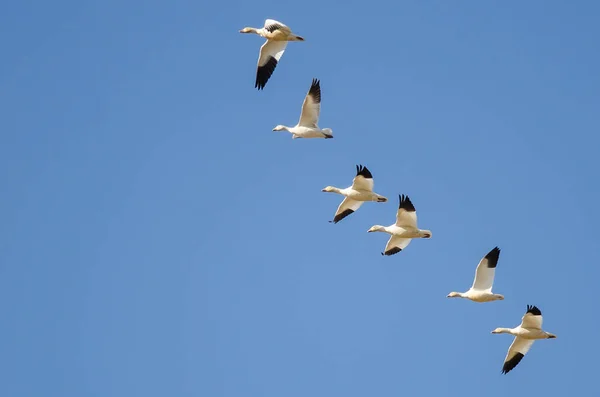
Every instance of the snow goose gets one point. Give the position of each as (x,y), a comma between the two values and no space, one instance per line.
(311,108)
(360,191)
(277,35)
(404,230)
(481,290)
(525,334)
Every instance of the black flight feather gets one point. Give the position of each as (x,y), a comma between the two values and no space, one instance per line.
(391,251)
(533,310)
(492,257)
(342,215)
(263,73)
(363,171)
(273,27)
(510,364)
(315,91)
(406,204)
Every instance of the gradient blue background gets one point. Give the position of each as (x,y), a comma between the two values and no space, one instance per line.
(158,239)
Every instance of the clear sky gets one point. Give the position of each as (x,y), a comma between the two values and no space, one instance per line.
(158,239)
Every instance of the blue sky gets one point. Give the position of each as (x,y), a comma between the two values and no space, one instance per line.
(158,239)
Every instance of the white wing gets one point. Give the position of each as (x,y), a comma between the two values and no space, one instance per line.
(484,275)
(347,207)
(363,179)
(311,107)
(516,352)
(406,215)
(270,54)
(532,318)
(395,244)
(272,25)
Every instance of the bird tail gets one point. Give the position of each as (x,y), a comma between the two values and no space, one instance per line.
(294,37)
(328,132)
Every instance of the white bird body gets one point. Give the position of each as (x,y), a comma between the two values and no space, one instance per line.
(300,131)
(481,290)
(277,35)
(404,230)
(401,231)
(477,296)
(525,334)
(355,195)
(309,117)
(358,195)
(274,30)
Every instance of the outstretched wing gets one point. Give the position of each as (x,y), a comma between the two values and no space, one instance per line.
(270,54)
(486,269)
(395,244)
(363,179)
(407,214)
(346,207)
(532,318)
(516,352)
(311,107)
(272,25)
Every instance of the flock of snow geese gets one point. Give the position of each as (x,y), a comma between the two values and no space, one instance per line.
(405,229)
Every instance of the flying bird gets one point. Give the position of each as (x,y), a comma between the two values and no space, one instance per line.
(404,230)
(525,334)
(277,35)
(307,125)
(481,290)
(355,195)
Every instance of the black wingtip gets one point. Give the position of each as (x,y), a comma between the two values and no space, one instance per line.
(363,171)
(264,73)
(512,363)
(342,215)
(492,257)
(315,90)
(392,251)
(533,310)
(405,203)
(273,27)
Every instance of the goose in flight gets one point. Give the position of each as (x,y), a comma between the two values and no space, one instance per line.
(404,230)
(311,108)
(360,191)
(525,334)
(277,35)
(481,290)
